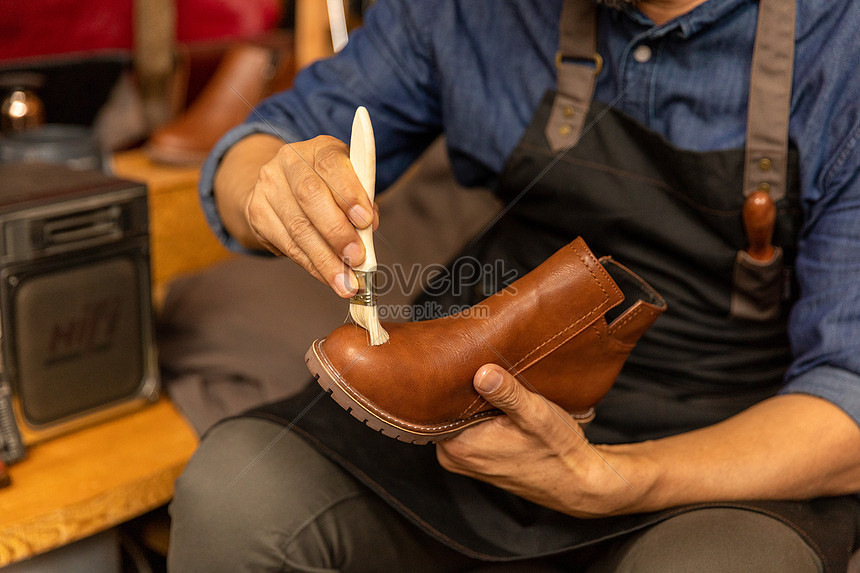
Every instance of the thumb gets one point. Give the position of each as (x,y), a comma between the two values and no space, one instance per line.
(503,391)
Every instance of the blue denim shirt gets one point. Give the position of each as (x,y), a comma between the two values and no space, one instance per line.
(476,70)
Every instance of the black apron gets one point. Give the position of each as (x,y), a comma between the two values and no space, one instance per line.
(674,217)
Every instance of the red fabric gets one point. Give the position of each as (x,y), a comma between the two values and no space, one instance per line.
(46,27)
(42,27)
(211,19)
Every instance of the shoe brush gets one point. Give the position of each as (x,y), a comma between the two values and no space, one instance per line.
(362,155)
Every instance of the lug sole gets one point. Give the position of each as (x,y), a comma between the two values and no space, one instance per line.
(331,382)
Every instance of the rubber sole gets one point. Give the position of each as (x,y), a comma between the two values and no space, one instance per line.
(332,383)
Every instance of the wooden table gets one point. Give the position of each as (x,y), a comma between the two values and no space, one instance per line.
(88,481)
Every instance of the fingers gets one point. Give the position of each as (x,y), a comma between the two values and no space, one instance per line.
(503,391)
(328,169)
(266,220)
(330,200)
(307,204)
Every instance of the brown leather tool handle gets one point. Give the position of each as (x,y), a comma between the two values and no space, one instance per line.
(759,221)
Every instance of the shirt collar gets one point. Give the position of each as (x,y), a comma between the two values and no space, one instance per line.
(692,22)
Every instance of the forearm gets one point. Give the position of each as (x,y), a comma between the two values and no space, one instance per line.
(788,447)
(235,179)
(793,446)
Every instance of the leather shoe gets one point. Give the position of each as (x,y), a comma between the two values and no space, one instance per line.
(248,73)
(564,330)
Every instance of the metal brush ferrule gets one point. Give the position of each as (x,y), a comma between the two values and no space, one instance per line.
(366,295)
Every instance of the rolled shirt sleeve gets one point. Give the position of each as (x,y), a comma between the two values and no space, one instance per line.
(836,385)
(210,166)
(385,67)
(825,322)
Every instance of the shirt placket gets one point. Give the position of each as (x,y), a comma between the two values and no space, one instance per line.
(641,61)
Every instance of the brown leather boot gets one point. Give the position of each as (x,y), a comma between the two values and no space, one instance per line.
(550,328)
(248,73)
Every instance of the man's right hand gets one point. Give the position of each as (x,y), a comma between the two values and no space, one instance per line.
(302,200)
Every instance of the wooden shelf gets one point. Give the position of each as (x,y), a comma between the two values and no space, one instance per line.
(80,484)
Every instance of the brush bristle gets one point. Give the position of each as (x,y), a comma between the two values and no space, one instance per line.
(367,317)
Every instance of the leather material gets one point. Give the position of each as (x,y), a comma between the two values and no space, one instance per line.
(548,328)
(247,74)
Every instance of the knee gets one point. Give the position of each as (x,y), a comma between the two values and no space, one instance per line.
(718,540)
(249,488)
(211,522)
(202,506)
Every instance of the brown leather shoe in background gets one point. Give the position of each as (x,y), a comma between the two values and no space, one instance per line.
(248,73)
(549,328)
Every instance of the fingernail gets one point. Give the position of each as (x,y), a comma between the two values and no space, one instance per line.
(352,254)
(360,216)
(490,381)
(345,284)
(375,220)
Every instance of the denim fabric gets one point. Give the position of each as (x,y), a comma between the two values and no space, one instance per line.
(476,70)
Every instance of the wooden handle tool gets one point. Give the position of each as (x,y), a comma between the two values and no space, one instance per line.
(362,155)
(759,221)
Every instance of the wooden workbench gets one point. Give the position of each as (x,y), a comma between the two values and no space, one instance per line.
(88,481)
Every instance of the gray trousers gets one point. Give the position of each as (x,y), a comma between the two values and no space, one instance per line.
(257,498)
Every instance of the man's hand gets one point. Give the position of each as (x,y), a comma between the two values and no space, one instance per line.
(792,446)
(539,452)
(302,200)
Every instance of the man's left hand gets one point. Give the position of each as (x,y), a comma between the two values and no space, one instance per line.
(537,451)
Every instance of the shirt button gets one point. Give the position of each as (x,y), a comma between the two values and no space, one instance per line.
(642,54)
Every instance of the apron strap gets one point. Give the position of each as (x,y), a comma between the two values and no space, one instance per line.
(766,163)
(578,64)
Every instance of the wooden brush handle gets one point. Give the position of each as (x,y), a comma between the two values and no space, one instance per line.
(759,220)
(362,154)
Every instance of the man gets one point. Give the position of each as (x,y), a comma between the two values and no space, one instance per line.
(657,179)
